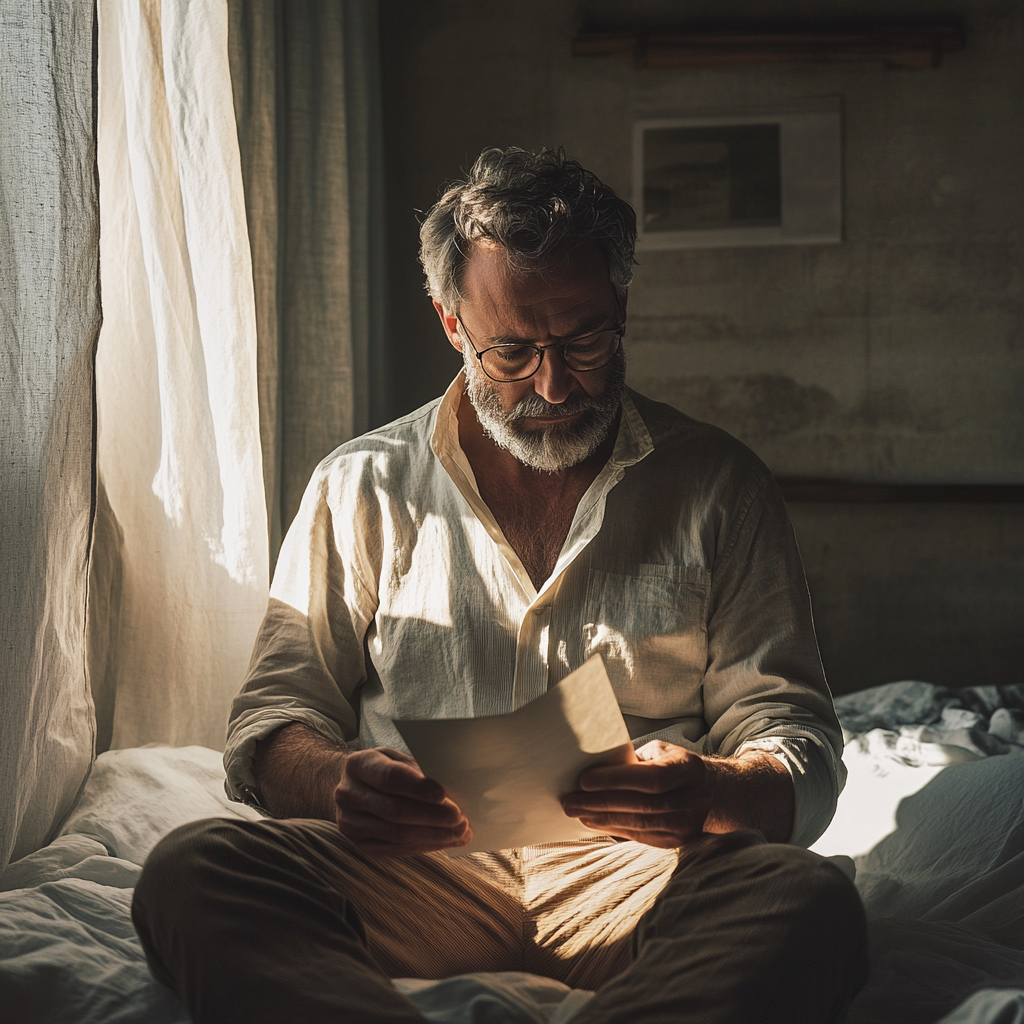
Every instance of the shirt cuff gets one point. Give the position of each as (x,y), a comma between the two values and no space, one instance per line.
(817,780)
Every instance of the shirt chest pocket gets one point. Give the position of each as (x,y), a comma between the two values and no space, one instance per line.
(651,631)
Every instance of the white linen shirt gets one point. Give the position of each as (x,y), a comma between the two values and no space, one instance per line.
(397,596)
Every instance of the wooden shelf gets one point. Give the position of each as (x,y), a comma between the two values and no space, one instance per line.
(868,494)
(916,46)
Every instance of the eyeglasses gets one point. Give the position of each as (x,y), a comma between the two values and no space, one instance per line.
(511,362)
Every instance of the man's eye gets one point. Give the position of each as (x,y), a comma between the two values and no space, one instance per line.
(514,353)
(594,344)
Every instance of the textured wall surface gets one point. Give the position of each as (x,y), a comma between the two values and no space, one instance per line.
(894,356)
(929,592)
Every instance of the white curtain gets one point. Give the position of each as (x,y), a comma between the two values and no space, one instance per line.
(180,558)
(176,570)
(49,316)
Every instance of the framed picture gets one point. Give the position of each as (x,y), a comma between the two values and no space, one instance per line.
(745,179)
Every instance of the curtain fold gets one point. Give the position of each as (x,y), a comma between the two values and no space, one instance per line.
(307,103)
(179,569)
(253,28)
(49,318)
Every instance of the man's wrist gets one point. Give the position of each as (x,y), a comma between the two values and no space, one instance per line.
(751,790)
(297,770)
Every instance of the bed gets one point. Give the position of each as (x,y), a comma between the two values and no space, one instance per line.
(931,825)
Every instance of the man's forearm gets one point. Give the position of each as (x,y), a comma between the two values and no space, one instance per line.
(753,790)
(297,771)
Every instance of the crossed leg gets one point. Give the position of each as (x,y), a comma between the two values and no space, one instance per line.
(275,921)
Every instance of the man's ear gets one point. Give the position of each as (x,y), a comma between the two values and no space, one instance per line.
(450,324)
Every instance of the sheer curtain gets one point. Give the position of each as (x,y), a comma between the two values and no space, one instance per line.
(49,317)
(158,610)
(242,328)
(180,560)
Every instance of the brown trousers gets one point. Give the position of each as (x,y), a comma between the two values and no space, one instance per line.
(273,922)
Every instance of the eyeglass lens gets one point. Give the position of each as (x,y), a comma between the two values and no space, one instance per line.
(515,362)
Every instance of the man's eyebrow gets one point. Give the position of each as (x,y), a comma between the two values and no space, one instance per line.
(589,325)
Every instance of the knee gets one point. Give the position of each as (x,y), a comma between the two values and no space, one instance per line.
(223,862)
(808,884)
(178,873)
(814,881)
(187,849)
(789,904)
(177,865)
(821,909)
(794,862)
(775,880)
(828,928)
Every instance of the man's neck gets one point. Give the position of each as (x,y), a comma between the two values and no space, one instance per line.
(534,509)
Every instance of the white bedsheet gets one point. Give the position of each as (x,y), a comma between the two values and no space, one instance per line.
(932,817)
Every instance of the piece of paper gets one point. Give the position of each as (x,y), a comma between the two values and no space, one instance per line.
(508,773)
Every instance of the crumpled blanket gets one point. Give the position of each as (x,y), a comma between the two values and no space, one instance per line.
(916,717)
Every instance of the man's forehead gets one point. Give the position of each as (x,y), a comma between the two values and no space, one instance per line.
(575,286)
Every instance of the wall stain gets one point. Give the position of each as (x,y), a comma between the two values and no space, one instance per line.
(763,405)
(754,405)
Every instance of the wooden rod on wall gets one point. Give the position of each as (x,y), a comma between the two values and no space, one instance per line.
(914,46)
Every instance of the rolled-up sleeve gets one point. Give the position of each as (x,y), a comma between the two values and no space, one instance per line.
(308,662)
(764,688)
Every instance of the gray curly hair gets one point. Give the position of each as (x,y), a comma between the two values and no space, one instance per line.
(536,206)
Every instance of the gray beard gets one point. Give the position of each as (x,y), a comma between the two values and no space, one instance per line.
(558,446)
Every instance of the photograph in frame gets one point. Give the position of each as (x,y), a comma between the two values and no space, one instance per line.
(738,180)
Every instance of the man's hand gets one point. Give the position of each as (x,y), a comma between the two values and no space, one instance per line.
(389,808)
(662,800)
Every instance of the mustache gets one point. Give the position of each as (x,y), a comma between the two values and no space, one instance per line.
(534,405)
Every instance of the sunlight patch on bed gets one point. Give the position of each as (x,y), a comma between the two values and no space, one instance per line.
(867,808)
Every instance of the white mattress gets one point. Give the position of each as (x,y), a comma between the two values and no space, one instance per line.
(932,821)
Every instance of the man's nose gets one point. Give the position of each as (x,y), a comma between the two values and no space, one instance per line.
(554,381)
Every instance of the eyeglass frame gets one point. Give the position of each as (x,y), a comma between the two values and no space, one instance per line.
(619,331)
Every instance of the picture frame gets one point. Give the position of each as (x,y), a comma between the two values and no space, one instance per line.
(742,179)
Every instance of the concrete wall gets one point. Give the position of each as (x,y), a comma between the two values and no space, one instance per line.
(895,356)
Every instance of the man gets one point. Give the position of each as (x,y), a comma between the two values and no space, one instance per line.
(461,561)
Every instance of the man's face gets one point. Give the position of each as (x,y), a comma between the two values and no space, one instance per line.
(556,418)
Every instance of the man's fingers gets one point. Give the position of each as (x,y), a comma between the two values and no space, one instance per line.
(374,834)
(357,796)
(387,807)
(391,772)
(663,799)
(645,777)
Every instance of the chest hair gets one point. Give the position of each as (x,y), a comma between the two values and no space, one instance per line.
(535,525)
